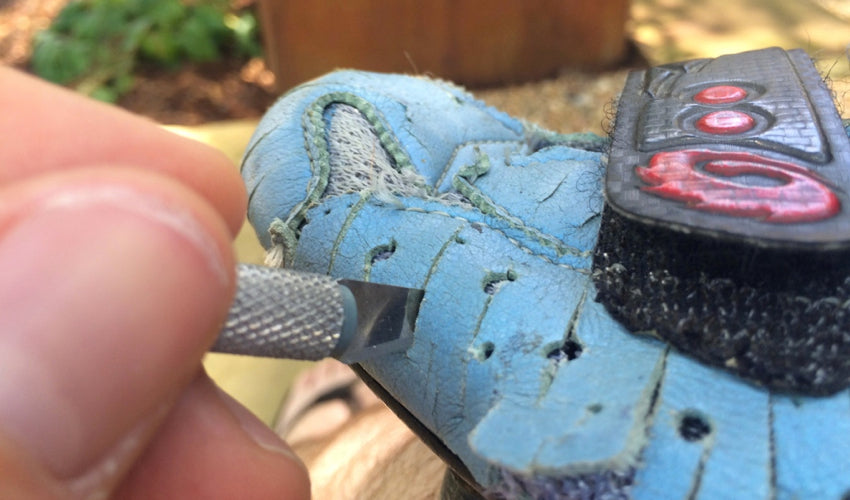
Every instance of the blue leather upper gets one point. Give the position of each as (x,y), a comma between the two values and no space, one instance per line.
(514,366)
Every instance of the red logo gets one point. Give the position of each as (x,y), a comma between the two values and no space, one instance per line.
(705,180)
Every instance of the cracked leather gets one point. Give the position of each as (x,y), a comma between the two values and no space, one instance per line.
(614,414)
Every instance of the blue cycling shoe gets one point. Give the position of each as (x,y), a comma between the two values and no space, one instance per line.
(518,377)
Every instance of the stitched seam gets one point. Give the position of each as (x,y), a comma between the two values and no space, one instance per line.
(313,122)
(513,241)
(772,429)
(433,268)
(470,346)
(548,375)
(486,205)
(369,261)
(349,220)
(452,239)
(355,209)
(388,141)
(480,320)
(452,158)
(316,146)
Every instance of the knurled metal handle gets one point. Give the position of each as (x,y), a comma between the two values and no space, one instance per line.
(281,313)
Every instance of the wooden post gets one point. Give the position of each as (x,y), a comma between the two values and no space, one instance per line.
(473,42)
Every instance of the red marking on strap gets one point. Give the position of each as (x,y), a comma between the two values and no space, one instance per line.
(726,122)
(720,94)
(802,196)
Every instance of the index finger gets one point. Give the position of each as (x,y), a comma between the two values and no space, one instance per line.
(48,128)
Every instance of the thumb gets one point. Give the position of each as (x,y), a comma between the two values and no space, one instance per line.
(112,284)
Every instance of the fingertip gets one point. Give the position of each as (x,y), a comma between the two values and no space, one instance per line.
(211,447)
(113,286)
(23,477)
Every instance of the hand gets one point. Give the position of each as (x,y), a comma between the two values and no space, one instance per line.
(115,272)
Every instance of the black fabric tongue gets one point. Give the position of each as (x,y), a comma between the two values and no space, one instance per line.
(777,317)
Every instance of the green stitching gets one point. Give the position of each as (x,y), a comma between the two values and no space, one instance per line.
(462,182)
(378,253)
(282,235)
(349,220)
(489,285)
(454,238)
(481,166)
(316,146)
(493,280)
(551,370)
(448,165)
(480,320)
(513,241)
(538,138)
(385,136)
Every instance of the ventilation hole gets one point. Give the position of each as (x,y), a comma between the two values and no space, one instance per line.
(595,408)
(494,281)
(540,142)
(460,241)
(568,351)
(383,252)
(488,349)
(694,427)
(484,351)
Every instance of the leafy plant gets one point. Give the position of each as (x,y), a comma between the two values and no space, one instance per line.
(95,45)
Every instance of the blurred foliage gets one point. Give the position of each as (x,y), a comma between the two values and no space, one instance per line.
(94,46)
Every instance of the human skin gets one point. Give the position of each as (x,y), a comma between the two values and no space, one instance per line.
(115,271)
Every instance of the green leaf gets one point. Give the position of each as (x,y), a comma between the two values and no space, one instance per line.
(134,35)
(123,84)
(160,47)
(95,44)
(59,59)
(245,34)
(69,16)
(197,41)
(104,94)
(166,14)
(102,20)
